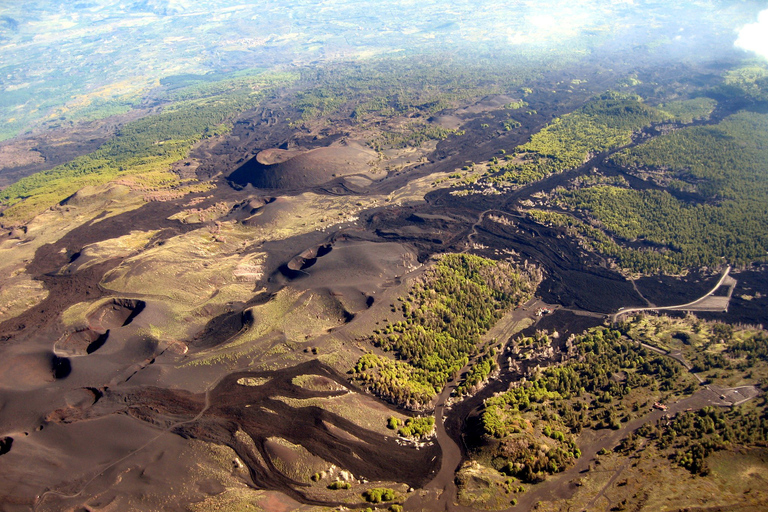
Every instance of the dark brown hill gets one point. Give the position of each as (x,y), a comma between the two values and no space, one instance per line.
(282,169)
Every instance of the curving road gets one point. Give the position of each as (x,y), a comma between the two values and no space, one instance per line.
(708,302)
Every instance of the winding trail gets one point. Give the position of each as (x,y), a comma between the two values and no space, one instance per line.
(442,489)
(637,290)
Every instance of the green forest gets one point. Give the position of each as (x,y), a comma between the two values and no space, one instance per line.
(582,393)
(445,314)
(606,122)
(413,135)
(724,165)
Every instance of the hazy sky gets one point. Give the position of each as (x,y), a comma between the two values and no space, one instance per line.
(754,36)
(58,58)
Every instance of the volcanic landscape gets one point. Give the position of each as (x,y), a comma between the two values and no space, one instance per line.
(191,347)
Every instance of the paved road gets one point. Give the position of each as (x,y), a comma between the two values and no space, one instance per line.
(708,302)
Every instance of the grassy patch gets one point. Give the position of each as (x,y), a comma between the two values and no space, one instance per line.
(687,111)
(359,409)
(18,294)
(293,460)
(482,487)
(317,383)
(252,381)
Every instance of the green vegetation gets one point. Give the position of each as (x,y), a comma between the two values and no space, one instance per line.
(413,427)
(396,380)
(726,160)
(446,312)
(581,393)
(195,87)
(413,135)
(510,124)
(691,110)
(719,353)
(379,494)
(99,109)
(750,82)
(339,485)
(418,427)
(724,355)
(692,436)
(149,144)
(605,123)
(317,102)
(608,379)
(724,165)
(478,374)
(594,239)
(514,105)
(412,87)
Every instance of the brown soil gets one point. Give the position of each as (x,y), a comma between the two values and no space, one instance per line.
(279,169)
(276,156)
(218,415)
(89,428)
(116,313)
(80,343)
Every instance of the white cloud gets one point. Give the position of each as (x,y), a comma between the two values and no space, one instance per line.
(754,37)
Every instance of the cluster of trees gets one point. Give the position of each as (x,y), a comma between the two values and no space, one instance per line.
(414,427)
(594,239)
(595,386)
(607,379)
(601,354)
(396,381)
(405,87)
(446,312)
(530,461)
(749,82)
(753,348)
(724,164)
(604,123)
(414,135)
(585,391)
(726,160)
(418,427)
(687,111)
(379,494)
(514,105)
(509,124)
(480,371)
(691,436)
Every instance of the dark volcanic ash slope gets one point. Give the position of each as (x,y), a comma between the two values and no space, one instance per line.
(281,169)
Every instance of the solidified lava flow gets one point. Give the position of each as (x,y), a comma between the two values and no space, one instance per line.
(273,409)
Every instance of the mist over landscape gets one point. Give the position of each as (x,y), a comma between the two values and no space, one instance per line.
(82,60)
(397,255)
